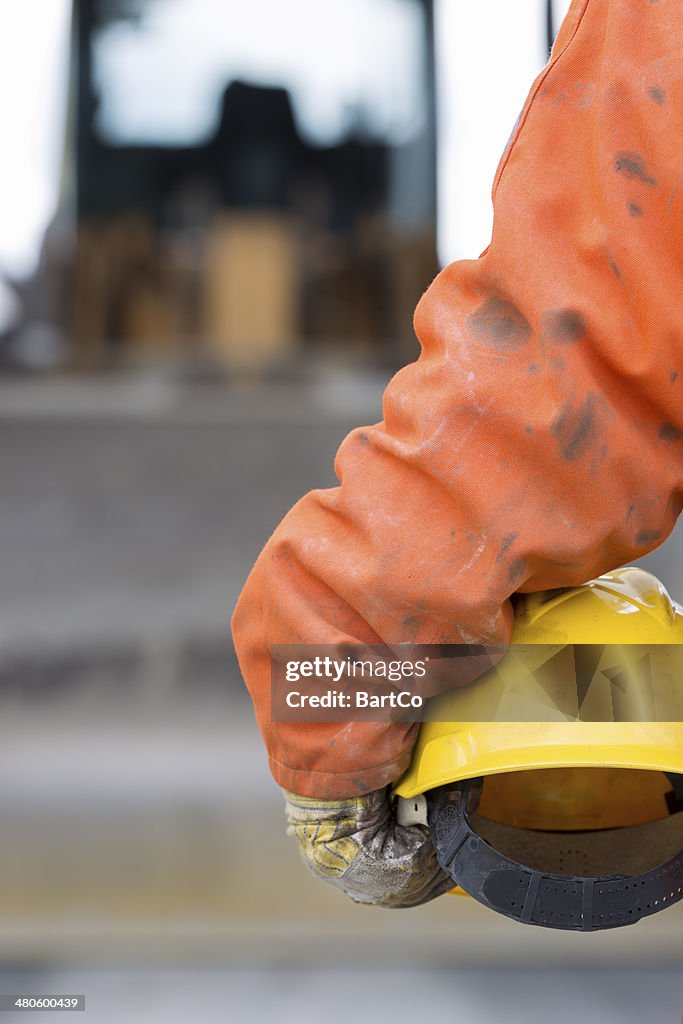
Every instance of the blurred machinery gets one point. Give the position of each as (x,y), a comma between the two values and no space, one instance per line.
(256,242)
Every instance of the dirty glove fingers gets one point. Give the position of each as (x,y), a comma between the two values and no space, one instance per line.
(357,845)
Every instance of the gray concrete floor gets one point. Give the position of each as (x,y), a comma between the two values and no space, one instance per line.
(365,995)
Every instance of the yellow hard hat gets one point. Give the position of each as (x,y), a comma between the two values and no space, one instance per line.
(554,783)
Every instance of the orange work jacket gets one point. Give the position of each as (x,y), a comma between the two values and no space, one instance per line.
(538,440)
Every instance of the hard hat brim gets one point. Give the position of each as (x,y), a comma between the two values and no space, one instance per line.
(455,751)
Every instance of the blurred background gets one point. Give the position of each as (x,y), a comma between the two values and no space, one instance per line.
(215,222)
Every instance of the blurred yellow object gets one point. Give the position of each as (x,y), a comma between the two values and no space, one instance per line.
(250,315)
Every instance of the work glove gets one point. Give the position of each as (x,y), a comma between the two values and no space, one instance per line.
(357,845)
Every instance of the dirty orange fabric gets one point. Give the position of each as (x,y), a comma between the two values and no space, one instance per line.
(538,439)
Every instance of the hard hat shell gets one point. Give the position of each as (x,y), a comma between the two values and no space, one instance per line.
(554,777)
(627,607)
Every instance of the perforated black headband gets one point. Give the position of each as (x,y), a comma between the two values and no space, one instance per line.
(573,903)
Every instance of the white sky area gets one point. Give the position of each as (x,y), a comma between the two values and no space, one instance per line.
(488,54)
(33,89)
(162,81)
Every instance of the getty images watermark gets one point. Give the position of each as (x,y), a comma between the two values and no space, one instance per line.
(314,682)
(335,670)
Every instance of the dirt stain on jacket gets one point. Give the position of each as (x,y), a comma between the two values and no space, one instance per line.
(576,428)
(498,322)
(648,536)
(632,165)
(563,326)
(668,432)
(506,543)
(516,571)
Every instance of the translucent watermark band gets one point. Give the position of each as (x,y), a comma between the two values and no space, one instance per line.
(470,683)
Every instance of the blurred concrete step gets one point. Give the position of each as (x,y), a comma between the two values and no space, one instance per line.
(165,837)
(125,670)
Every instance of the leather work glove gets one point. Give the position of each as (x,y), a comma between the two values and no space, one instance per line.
(357,845)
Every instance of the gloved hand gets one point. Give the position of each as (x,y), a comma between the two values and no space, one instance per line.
(357,845)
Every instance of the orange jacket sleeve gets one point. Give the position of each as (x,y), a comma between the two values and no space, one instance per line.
(538,439)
